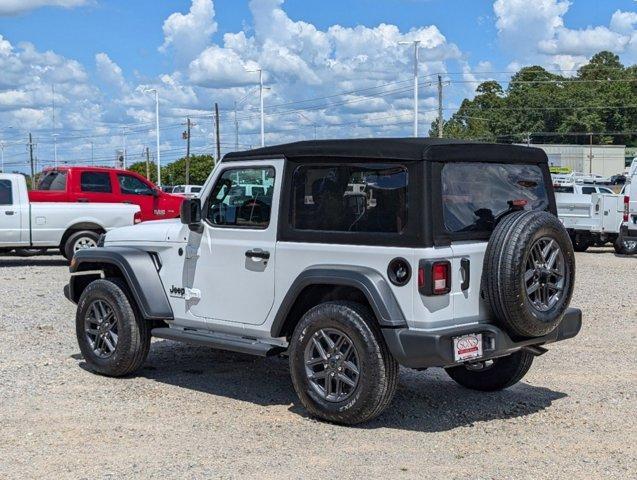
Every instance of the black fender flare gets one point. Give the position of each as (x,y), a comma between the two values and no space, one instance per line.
(369,281)
(139,272)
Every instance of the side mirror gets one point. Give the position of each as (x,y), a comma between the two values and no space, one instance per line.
(190,214)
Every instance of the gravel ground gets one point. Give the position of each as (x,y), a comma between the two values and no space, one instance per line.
(194,412)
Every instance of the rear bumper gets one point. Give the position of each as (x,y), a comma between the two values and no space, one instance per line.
(629,234)
(417,349)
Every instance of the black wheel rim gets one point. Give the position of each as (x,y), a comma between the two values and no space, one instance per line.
(101,328)
(332,365)
(545,274)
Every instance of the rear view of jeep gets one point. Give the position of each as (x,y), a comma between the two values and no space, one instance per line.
(350,257)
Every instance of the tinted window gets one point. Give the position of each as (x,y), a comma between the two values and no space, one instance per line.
(54,180)
(476,195)
(95,182)
(563,189)
(133,186)
(179,189)
(605,190)
(195,189)
(6,196)
(350,198)
(242,197)
(588,190)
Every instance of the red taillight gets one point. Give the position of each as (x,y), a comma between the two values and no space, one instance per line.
(626,202)
(137,218)
(434,277)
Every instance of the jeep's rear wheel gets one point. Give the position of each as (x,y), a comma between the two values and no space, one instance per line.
(341,368)
(529,273)
(493,375)
(113,338)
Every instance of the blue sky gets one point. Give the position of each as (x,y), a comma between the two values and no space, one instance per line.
(98,53)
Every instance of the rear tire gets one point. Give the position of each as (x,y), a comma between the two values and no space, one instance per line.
(580,244)
(124,343)
(624,247)
(368,392)
(78,241)
(505,372)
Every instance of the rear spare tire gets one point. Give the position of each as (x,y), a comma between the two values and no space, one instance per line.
(529,272)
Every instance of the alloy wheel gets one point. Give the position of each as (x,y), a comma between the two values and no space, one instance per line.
(101,328)
(545,274)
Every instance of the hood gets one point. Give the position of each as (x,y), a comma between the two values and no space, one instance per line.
(153,231)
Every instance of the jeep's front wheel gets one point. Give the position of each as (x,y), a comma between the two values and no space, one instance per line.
(113,338)
(341,367)
(495,374)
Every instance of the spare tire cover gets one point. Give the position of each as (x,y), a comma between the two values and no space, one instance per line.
(529,273)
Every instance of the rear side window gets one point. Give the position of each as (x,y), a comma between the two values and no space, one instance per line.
(350,198)
(197,190)
(6,195)
(588,190)
(130,185)
(476,195)
(563,189)
(95,182)
(53,181)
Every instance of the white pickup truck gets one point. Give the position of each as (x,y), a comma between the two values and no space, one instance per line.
(67,226)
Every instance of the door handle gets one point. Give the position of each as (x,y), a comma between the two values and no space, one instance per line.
(465,265)
(9,212)
(258,253)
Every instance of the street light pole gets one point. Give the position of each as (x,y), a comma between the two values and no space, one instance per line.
(2,155)
(416,44)
(55,149)
(260,70)
(151,90)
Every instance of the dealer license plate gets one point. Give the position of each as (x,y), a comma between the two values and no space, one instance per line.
(467,347)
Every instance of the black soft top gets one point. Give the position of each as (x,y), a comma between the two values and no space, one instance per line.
(427,149)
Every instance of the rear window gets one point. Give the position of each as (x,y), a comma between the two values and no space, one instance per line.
(563,189)
(476,195)
(99,182)
(6,196)
(54,181)
(350,198)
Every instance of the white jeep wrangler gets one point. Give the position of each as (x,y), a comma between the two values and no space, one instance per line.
(351,257)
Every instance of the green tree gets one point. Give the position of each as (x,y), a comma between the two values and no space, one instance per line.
(601,97)
(175,173)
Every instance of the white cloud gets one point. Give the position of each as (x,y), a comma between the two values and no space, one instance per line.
(13,7)
(537,33)
(109,71)
(188,34)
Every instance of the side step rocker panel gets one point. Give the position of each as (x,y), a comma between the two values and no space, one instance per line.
(240,345)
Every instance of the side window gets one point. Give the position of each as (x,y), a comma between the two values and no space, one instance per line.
(6,195)
(53,181)
(95,182)
(605,190)
(242,197)
(350,198)
(588,190)
(130,185)
(563,189)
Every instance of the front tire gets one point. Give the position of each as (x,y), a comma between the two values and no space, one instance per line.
(113,338)
(503,373)
(341,367)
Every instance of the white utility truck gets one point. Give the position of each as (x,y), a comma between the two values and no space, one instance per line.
(595,219)
(67,226)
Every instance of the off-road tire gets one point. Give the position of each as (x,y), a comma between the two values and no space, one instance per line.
(378,377)
(503,283)
(69,244)
(622,249)
(133,331)
(505,372)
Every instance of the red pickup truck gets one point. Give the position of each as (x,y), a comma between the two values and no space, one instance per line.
(110,185)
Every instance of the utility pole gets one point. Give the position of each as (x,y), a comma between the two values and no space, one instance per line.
(439,106)
(31,157)
(217,130)
(124,147)
(147,163)
(590,154)
(2,149)
(187,136)
(92,152)
(55,149)
(236,129)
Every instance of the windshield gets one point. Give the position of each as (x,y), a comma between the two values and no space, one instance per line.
(476,195)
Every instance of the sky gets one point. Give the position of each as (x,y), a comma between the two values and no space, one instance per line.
(72,72)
